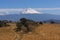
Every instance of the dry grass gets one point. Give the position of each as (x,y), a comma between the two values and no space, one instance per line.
(45,32)
(42,32)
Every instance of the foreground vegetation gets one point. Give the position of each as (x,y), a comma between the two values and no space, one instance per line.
(26,29)
(23,24)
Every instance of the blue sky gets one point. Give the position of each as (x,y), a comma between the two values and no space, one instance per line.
(32,4)
(29,3)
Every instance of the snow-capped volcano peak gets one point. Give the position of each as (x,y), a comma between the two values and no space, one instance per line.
(30,11)
(19,11)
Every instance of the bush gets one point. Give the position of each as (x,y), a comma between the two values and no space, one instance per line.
(3,23)
(25,24)
(40,22)
(52,22)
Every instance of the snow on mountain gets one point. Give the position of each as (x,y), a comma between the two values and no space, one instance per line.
(19,11)
(30,11)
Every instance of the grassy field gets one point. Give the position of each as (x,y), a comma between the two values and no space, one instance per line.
(42,32)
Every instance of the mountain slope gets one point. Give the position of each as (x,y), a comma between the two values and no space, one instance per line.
(36,17)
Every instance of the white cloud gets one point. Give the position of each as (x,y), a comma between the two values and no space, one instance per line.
(47,8)
(10,10)
(20,9)
(17,11)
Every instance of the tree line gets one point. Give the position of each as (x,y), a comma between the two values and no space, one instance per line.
(23,24)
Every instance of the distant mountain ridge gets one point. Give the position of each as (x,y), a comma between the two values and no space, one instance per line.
(36,17)
(52,20)
(29,13)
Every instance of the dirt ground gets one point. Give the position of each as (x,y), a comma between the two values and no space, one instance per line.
(42,32)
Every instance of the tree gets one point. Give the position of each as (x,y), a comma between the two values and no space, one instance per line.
(26,25)
(52,22)
(22,22)
(1,24)
(40,22)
